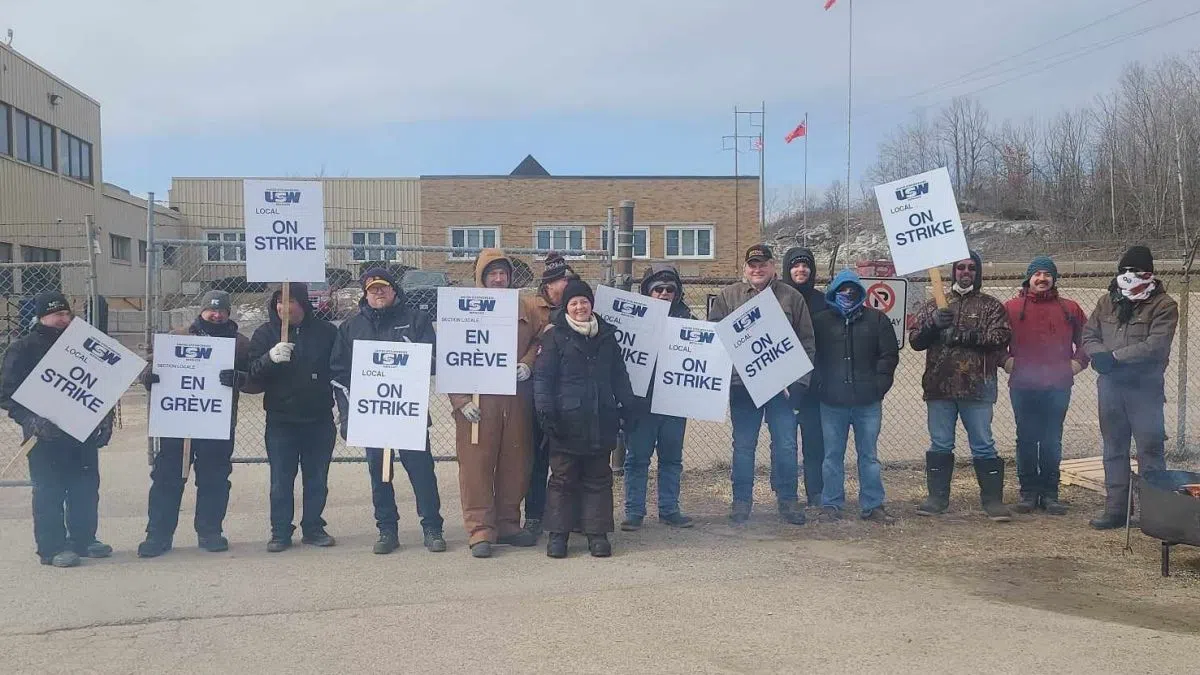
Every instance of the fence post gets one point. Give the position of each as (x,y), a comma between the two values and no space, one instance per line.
(625,246)
(1182,366)
(148,309)
(612,247)
(92,245)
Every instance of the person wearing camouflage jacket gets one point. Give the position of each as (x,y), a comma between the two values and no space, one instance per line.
(964,345)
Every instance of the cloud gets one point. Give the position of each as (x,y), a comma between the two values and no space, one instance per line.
(224,67)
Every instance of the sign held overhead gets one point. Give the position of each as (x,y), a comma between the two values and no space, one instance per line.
(921,219)
(285,230)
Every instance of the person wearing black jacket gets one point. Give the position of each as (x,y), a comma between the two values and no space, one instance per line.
(384,315)
(648,430)
(581,394)
(298,398)
(213,458)
(65,473)
(801,274)
(857,355)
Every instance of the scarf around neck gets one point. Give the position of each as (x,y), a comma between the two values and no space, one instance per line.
(1135,286)
(587,329)
(960,290)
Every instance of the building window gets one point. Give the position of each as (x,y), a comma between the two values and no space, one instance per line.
(142,251)
(472,237)
(33,140)
(689,242)
(119,248)
(641,239)
(75,157)
(377,239)
(36,279)
(226,253)
(5,144)
(559,239)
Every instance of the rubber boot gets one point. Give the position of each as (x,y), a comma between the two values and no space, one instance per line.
(939,471)
(990,474)
(1027,502)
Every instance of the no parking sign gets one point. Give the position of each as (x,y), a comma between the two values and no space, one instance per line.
(890,296)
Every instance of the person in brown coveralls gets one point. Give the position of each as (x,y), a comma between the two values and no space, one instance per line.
(494,473)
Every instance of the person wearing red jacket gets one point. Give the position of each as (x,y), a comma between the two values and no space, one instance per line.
(1044,356)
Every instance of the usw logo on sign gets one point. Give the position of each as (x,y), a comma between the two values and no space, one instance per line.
(282,196)
(746,320)
(193,352)
(696,335)
(389,358)
(912,191)
(101,351)
(467,304)
(629,307)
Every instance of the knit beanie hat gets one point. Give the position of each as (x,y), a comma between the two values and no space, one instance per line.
(1137,257)
(1042,263)
(577,287)
(49,302)
(556,268)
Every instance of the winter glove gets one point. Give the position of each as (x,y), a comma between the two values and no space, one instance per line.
(943,318)
(231,378)
(1076,367)
(523,372)
(343,407)
(281,353)
(1008,365)
(103,432)
(150,379)
(44,429)
(1104,363)
(548,426)
(471,412)
(797,393)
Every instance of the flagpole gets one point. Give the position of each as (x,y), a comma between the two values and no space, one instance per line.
(849,108)
(805,204)
(762,167)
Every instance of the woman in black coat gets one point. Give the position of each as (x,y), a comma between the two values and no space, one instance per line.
(581,393)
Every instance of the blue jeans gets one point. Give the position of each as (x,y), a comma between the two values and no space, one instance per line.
(942,416)
(648,431)
(835,427)
(781,424)
(419,467)
(294,447)
(812,446)
(1040,415)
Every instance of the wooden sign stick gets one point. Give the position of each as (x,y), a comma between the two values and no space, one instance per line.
(387,465)
(939,294)
(187,457)
(22,452)
(475,425)
(285,299)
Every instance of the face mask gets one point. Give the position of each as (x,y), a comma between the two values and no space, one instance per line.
(846,299)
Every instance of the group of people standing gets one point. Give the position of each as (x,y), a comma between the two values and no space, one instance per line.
(549,445)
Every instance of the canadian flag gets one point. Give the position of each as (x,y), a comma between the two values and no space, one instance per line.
(799,132)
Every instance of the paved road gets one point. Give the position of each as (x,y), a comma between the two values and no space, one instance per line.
(706,600)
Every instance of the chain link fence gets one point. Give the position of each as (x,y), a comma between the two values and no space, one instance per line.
(35,258)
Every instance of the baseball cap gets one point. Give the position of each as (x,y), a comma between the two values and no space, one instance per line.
(759,253)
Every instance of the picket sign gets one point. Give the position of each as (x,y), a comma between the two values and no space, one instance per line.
(692,378)
(285,317)
(79,380)
(639,321)
(389,395)
(763,347)
(285,230)
(187,457)
(923,226)
(475,425)
(21,452)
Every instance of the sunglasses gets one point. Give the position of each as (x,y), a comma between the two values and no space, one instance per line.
(964,267)
(663,289)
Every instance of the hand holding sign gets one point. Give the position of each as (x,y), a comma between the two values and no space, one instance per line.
(924,230)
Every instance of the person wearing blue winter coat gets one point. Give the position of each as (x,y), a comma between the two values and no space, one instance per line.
(856,359)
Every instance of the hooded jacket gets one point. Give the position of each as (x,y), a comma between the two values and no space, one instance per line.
(679,310)
(812,296)
(794,307)
(1142,345)
(529,326)
(961,361)
(857,352)
(1047,335)
(299,390)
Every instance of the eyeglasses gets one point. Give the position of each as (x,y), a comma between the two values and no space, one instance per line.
(378,289)
(662,289)
(964,267)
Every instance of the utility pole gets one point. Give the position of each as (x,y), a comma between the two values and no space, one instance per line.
(849,115)
(625,246)
(733,142)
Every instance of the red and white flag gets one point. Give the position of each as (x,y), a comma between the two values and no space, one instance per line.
(829,3)
(799,132)
(758,143)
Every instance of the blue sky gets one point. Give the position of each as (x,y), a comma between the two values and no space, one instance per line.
(402,88)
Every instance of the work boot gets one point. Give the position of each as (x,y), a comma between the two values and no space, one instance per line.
(676,519)
(521,538)
(213,543)
(534,526)
(278,544)
(318,537)
(556,545)
(434,541)
(1027,502)
(481,549)
(939,471)
(599,546)
(153,547)
(96,549)
(1108,521)
(63,559)
(387,542)
(739,513)
(830,514)
(1052,505)
(879,515)
(632,523)
(990,474)
(791,512)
